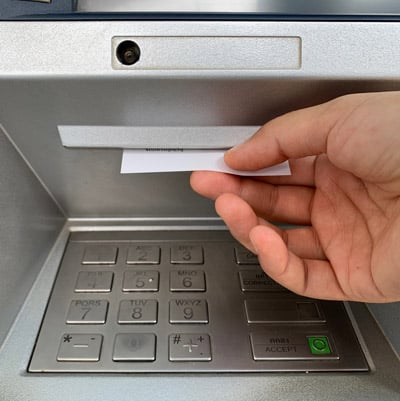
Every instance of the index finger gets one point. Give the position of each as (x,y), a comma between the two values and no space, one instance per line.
(294,135)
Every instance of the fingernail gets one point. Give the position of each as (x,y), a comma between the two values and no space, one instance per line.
(235,148)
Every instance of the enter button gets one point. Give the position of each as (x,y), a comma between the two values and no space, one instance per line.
(319,345)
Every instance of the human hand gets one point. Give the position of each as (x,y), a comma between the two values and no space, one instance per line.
(344,188)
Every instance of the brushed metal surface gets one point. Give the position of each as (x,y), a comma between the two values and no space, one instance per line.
(383,383)
(244,6)
(220,309)
(212,53)
(29,224)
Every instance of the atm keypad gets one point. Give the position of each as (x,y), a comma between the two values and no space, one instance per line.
(179,305)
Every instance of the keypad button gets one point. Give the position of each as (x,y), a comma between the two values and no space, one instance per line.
(100,255)
(289,345)
(189,347)
(87,311)
(140,280)
(94,282)
(187,280)
(138,311)
(187,254)
(253,280)
(134,347)
(188,311)
(319,345)
(143,255)
(277,311)
(244,257)
(80,348)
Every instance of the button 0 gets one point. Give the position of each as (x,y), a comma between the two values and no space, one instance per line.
(134,347)
(87,311)
(189,347)
(80,348)
(187,254)
(100,255)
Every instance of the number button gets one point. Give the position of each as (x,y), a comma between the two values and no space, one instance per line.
(187,280)
(138,311)
(143,255)
(187,254)
(140,280)
(100,255)
(188,311)
(98,281)
(87,311)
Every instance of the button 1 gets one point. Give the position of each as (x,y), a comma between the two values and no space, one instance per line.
(100,255)
(187,254)
(189,347)
(188,311)
(187,280)
(80,348)
(138,311)
(134,347)
(87,311)
(143,255)
(140,280)
(94,282)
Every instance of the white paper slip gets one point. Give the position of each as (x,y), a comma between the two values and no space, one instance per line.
(169,160)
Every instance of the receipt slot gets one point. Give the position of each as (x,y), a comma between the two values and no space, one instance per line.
(117,282)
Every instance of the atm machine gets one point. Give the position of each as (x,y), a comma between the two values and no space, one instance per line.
(127,286)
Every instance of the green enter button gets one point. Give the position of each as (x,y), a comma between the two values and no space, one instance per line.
(319,345)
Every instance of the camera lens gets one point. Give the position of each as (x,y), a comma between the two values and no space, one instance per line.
(128,52)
